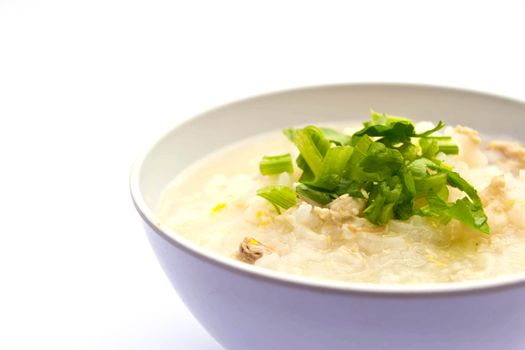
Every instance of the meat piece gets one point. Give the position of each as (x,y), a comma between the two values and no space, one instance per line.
(251,250)
(341,209)
(496,203)
(511,151)
(347,206)
(472,134)
(344,212)
(361,225)
(494,194)
(469,147)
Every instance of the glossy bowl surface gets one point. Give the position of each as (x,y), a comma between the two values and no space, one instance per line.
(245,307)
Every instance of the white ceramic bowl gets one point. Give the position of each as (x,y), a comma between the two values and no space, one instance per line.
(245,307)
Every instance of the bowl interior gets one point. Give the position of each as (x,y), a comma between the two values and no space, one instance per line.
(222,126)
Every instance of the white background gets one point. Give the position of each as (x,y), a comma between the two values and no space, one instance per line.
(86,85)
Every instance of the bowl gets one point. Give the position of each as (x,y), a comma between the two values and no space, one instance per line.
(246,307)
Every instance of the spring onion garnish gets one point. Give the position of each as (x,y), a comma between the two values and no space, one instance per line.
(280,196)
(273,165)
(393,168)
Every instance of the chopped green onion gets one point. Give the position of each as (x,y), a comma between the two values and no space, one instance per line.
(313,146)
(332,167)
(272,165)
(429,148)
(290,134)
(410,184)
(409,151)
(280,196)
(448,146)
(360,151)
(307,174)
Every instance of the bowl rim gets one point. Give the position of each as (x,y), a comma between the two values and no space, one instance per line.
(323,285)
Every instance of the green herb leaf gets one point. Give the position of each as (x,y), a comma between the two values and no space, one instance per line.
(393,129)
(462,210)
(350,187)
(381,162)
(337,137)
(455,180)
(440,125)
